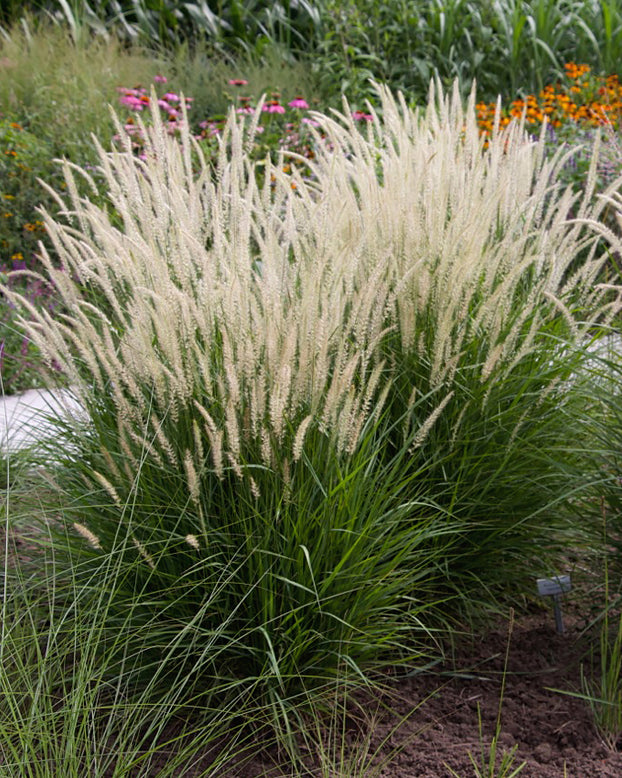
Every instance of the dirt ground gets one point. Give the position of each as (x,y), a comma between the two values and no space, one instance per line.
(554,732)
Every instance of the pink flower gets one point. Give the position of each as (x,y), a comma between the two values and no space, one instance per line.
(311,122)
(171,96)
(245,109)
(160,79)
(273,106)
(135,103)
(238,82)
(127,91)
(360,116)
(299,102)
(210,128)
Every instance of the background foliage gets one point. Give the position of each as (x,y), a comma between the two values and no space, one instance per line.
(507,45)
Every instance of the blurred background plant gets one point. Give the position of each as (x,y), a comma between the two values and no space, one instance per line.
(23,158)
(346,43)
(575,109)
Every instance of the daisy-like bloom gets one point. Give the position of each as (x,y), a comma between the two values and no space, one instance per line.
(160,79)
(171,96)
(246,109)
(299,102)
(310,122)
(209,128)
(361,116)
(130,91)
(273,106)
(135,103)
(238,82)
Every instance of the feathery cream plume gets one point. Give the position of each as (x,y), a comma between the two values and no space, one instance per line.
(89,536)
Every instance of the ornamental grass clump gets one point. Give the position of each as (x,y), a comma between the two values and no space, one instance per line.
(317,409)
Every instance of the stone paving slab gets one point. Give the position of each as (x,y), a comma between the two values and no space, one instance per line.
(24,417)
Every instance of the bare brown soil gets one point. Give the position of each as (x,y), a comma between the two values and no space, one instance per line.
(554,732)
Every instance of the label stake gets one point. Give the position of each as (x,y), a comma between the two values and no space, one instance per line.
(555,587)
